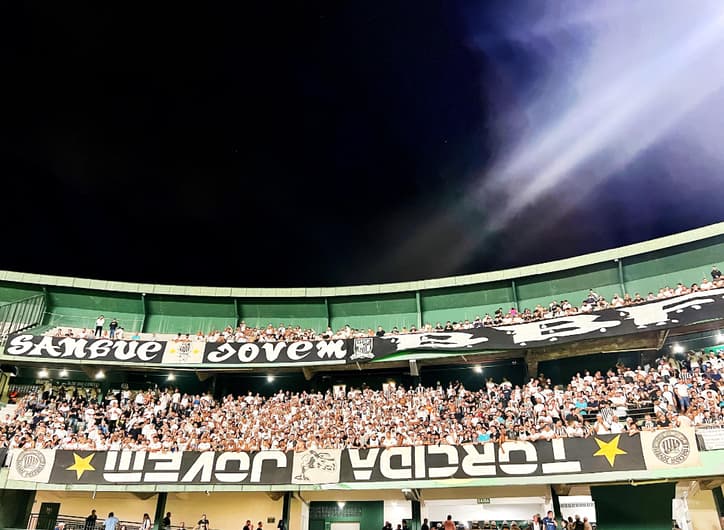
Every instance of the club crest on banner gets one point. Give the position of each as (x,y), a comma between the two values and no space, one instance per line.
(671,447)
(183,352)
(32,465)
(29,464)
(363,349)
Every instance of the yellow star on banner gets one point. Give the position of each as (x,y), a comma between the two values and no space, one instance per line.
(609,449)
(81,465)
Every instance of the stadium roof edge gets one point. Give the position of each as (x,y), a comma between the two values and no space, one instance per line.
(652,245)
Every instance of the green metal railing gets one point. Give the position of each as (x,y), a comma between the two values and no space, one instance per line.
(21,314)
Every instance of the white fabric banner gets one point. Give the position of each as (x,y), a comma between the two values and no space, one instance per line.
(31,465)
(670,448)
(713,438)
(183,352)
(316,467)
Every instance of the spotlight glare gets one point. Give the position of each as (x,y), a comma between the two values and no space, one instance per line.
(100,374)
(478,369)
(270,378)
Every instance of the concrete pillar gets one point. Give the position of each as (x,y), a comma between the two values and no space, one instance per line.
(702,510)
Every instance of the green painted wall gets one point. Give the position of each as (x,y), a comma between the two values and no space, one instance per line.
(362,312)
(687,264)
(308,313)
(175,314)
(465,302)
(15,507)
(80,308)
(369,514)
(75,302)
(10,292)
(646,507)
(572,285)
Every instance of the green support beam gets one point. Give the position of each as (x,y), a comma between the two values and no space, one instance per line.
(143,313)
(416,521)
(418,301)
(160,512)
(45,304)
(286,510)
(621,281)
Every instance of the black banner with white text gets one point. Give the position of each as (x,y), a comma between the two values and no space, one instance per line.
(680,311)
(666,449)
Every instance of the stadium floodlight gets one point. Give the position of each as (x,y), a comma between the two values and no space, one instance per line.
(100,374)
(720,337)
(341,504)
(677,348)
(171,377)
(63,373)
(270,378)
(478,369)
(43,374)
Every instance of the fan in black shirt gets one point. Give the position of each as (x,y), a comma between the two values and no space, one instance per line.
(715,273)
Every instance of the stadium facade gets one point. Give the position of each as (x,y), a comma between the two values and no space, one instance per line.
(622,482)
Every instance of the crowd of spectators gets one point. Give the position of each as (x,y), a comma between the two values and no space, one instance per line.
(672,393)
(270,333)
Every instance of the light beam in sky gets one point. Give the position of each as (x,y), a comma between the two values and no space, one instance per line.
(648,68)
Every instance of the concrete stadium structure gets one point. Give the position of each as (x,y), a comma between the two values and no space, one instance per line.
(33,304)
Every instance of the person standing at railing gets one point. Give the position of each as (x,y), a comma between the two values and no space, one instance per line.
(549,521)
(91,520)
(203,523)
(100,322)
(111,522)
(112,327)
(146,523)
(166,522)
(715,273)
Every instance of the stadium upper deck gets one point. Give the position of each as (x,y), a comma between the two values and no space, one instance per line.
(75,302)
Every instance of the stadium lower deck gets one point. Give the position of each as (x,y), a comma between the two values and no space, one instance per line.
(692,499)
(623,505)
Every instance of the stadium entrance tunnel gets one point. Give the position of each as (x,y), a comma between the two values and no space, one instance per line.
(651,506)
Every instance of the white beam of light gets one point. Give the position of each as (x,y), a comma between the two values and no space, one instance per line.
(618,115)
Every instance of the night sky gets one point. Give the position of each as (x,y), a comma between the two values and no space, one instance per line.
(328,143)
